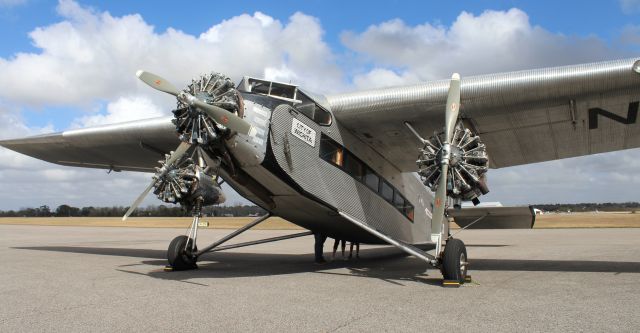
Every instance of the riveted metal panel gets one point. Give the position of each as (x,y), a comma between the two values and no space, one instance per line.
(336,188)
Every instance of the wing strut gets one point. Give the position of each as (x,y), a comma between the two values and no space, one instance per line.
(410,249)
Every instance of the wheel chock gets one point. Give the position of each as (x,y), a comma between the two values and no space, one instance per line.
(450,284)
(168,268)
(467,279)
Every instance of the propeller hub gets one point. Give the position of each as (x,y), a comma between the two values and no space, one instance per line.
(466,157)
(192,123)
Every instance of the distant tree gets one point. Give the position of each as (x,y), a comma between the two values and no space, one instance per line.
(66,210)
(43,211)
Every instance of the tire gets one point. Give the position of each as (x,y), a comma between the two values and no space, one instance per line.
(454,261)
(178,258)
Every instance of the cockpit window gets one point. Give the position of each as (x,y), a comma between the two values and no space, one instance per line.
(312,110)
(290,94)
(270,88)
(283,90)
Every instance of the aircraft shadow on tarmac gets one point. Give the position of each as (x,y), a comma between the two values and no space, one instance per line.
(387,264)
(383,263)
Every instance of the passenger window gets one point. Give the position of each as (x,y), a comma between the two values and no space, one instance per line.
(337,155)
(408,211)
(353,166)
(371,179)
(386,191)
(398,201)
(331,152)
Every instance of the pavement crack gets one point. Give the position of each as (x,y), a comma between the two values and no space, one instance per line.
(351,321)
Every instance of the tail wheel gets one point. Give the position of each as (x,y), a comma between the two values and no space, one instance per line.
(454,261)
(179,258)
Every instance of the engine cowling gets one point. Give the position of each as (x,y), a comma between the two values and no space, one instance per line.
(468,164)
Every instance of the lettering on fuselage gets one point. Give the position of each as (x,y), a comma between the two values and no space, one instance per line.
(632,115)
(303,132)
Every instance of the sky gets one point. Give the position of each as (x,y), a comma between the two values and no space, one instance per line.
(72,64)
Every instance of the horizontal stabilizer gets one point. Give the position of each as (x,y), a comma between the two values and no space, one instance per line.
(521,217)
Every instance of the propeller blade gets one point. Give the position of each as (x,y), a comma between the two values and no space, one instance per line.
(219,115)
(453,106)
(138,201)
(157,82)
(451,117)
(182,148)
(175,156)
(226,118)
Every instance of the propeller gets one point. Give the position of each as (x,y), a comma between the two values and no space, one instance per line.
(173,158)
(218,114)
(451,117)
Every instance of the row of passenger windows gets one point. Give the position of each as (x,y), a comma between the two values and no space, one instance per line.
(337,155)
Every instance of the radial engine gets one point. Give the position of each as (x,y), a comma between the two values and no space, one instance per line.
(468,164)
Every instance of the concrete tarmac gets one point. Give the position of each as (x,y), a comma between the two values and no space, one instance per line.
(79,279)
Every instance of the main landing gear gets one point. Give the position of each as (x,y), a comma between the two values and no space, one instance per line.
(183,252)
(180,254)
(450,253)
(454,261)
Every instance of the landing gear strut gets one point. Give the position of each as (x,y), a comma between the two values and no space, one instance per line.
(183,252)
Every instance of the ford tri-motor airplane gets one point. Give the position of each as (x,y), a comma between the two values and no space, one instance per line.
(357,166)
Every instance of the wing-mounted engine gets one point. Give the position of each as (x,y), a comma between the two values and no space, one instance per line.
(187,183)
(453,164)
(468,164)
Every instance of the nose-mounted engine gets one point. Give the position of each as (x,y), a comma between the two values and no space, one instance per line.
(208,112)
(468,164)
(194,124)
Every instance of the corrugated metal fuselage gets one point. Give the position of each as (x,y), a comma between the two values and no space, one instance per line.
(285,175)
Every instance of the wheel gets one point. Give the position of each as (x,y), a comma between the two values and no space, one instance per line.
(179,258)
(454,261)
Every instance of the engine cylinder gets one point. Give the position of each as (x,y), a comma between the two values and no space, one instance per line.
(468,164)
(193,124)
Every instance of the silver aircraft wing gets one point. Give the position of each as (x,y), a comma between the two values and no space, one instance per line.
(522,117)
(132,146)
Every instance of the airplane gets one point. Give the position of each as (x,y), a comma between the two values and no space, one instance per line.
(357,166)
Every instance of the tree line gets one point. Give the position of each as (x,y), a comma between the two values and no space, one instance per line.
(590,207)
(118,211)
(250,210)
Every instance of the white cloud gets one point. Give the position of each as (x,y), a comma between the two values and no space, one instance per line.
(494,41)
(11,3)
(93,56)
(122,110)
(630,6)
(378,77)
(610,177)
